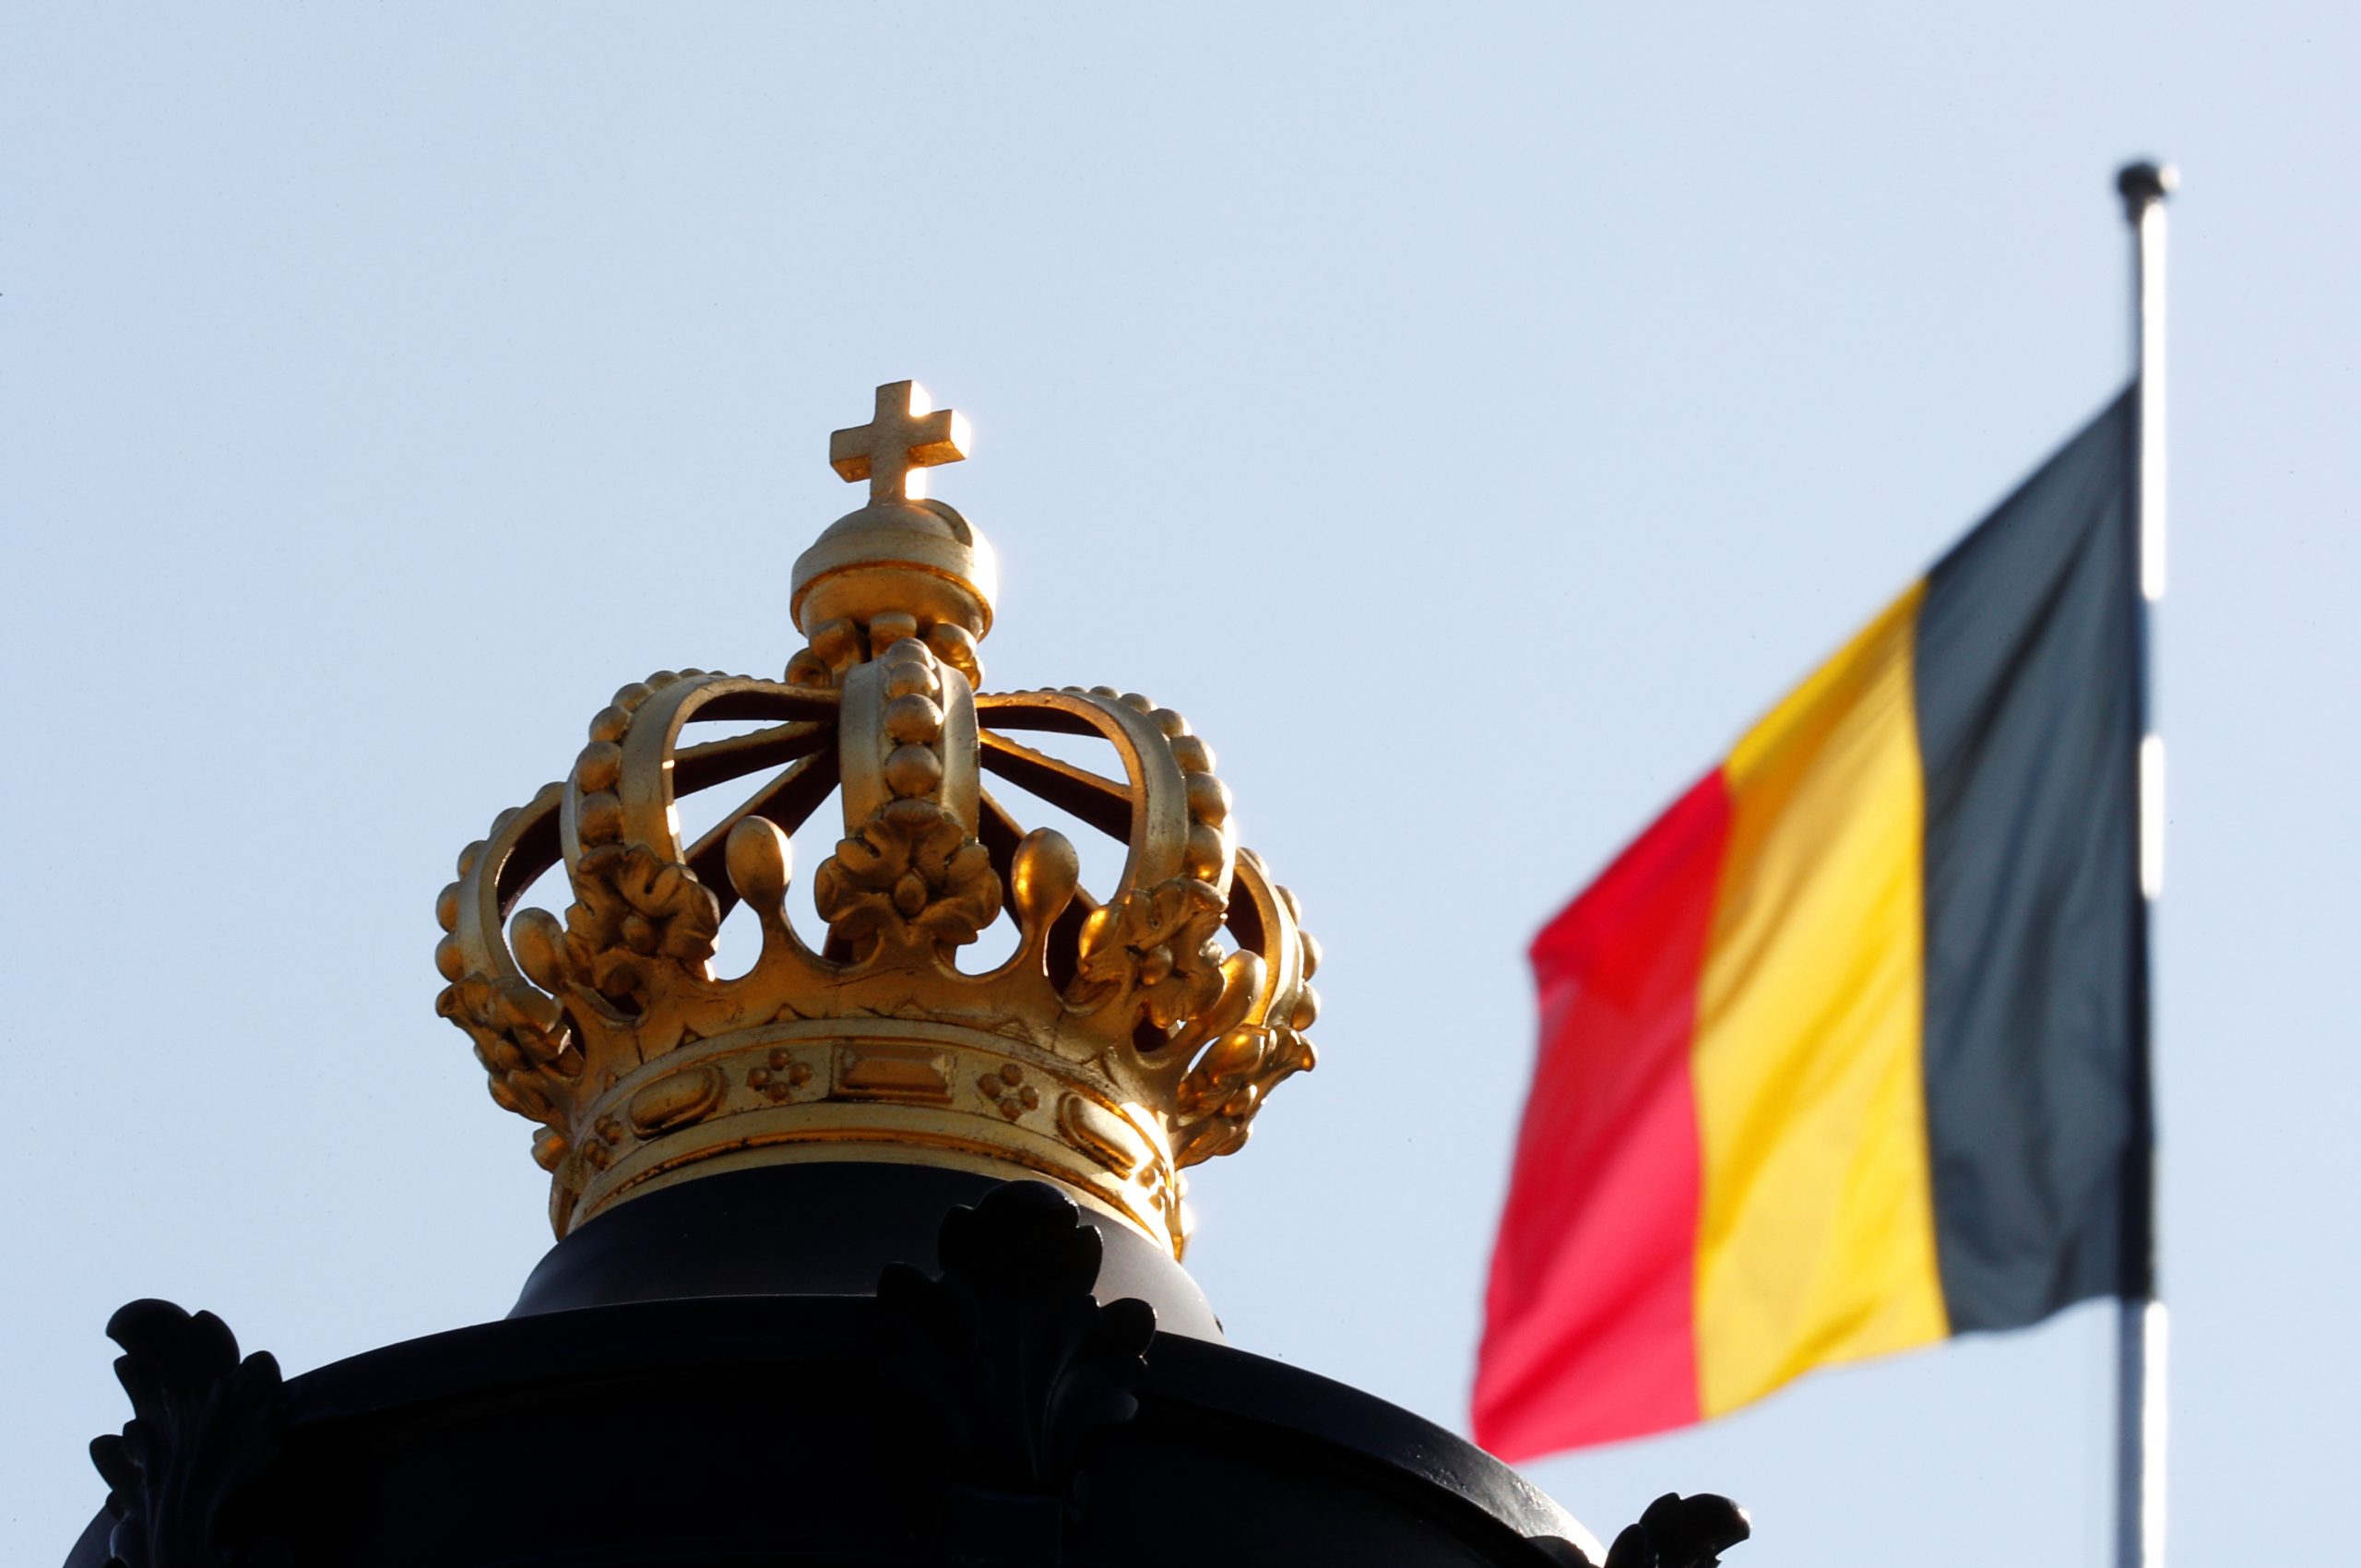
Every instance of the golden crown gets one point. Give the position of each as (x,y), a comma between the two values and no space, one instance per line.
(1116,1046)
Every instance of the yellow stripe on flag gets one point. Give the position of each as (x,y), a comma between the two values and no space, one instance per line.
(1816,1240)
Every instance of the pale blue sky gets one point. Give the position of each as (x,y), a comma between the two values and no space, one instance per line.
(1469,417)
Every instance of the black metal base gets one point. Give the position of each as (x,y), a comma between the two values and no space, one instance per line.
(825,1229)
(985,1409)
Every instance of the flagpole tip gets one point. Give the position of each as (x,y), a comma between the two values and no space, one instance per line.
(2144,183)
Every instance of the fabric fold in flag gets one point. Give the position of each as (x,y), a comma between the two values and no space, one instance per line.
(1843,1055)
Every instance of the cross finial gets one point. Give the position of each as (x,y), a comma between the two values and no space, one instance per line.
(908,436)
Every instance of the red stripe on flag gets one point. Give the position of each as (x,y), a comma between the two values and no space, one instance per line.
(1589,1324)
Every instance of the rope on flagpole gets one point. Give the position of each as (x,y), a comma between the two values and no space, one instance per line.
(2141,1323)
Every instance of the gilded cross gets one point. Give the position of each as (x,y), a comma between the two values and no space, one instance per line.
(907,435)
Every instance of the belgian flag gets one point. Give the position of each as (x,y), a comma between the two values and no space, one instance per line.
(1846,1053)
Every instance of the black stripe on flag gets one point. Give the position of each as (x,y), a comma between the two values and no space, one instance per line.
(2029,717)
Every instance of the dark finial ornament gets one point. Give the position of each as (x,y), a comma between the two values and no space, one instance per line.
(1008,1362)
(205,1425)
(2143,184)
(1681,1532)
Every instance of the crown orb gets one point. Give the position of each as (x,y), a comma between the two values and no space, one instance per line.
(903,565)
(915,558)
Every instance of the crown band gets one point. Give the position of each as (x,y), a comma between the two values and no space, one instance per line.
(911,1091)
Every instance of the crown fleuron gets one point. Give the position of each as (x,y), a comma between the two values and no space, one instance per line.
(1122,1041)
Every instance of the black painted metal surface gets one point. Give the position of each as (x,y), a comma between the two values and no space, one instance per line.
(982,1406)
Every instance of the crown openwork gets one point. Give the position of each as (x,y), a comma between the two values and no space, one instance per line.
(1120,1042)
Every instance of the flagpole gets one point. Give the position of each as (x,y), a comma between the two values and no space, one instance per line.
(2141,1322)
